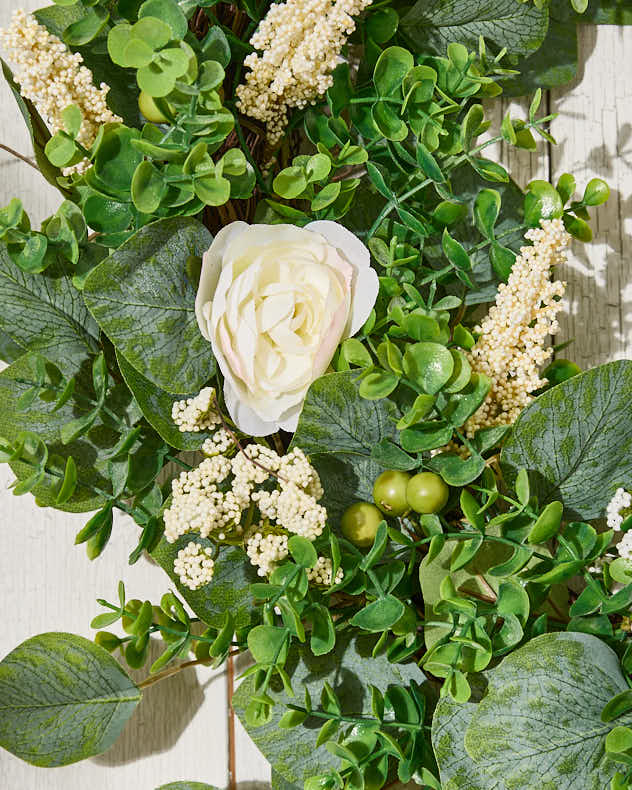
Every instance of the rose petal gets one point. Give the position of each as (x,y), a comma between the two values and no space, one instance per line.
(211,269)
(366,284)
(247,420)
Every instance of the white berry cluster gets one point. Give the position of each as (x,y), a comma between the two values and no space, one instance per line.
(219,443)
(223,494)
(510,348)
(53,77)
(300,43)
(618,509)
(198,504)
(196,414)
(266,551)
(194,565)
(322,573)
(624,547)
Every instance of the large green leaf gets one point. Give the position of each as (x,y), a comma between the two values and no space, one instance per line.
(228,592)
(156,405)
(38,131)
(576,440)
(433,24)
(458,770)
(89,451)
(539,724)
(122,97)
(338,430)
(554,63)
(349,670)
(46,313)
(143,300)
(62,699)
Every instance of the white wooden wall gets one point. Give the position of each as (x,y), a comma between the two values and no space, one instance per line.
(180,731)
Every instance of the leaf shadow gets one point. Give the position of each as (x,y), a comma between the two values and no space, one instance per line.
(162,716)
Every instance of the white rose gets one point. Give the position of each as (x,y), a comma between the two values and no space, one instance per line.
(275,301)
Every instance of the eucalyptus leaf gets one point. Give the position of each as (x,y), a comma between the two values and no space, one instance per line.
(339,430)
(145,304)
(575,441)
(63,699)
(228,592)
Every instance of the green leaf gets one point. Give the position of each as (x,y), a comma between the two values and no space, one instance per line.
(563,437)
(430,365)
(486,211)
(187,786)
(432,25)
(508,744)
(268,644)
(156,405)
(87,28)
(63,699)
(347,670)
(127,294)
(302,551)
(547,524)
(596,192)
(230,589)
(168,11)
(46,313)
(148,188)
(391,68)
(338,430)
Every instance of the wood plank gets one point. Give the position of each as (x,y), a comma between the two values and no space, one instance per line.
(594,129)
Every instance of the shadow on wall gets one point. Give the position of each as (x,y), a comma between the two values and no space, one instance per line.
(162,716)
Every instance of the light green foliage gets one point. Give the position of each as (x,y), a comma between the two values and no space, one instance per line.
(561,681)
(63,699)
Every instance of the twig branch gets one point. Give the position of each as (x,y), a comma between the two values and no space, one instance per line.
(19,156)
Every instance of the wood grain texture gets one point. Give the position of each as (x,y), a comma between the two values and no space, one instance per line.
(180,730)
(594,130)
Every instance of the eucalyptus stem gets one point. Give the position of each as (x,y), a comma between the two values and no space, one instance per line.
(167,673)
(19,156)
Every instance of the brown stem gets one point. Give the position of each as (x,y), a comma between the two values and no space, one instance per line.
(19,156)
(167,673)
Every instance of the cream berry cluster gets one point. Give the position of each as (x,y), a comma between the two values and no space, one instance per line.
(299,44)
(198,413)
(53,77)
(511,347)
(194,565)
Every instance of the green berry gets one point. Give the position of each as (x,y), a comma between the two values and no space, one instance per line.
(427,493)
(389,492)
(360,522)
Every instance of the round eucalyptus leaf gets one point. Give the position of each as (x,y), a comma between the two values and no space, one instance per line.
(153,31)
(391,68)
(148,188)
(429,365)
(290,182)
(63,699)
(168,11)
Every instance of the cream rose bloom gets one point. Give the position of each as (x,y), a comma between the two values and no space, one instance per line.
(275,301)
